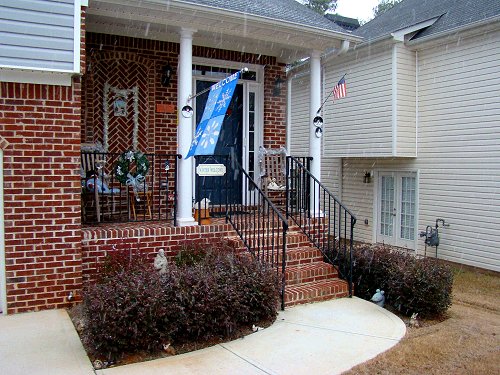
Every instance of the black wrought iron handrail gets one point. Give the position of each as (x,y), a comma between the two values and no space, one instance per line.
(259,224)
(116,200)
(322,217)
(262,229)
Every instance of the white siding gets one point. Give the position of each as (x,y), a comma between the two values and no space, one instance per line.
(331,170)
(359,124)
(458,153)
(406,102)
(37,34)
(300,124)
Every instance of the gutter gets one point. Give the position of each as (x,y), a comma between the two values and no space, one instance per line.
(324,59)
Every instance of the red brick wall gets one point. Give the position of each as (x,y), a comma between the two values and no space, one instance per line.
(162,127)
(274,108)
(41,124)
(146,238)
(41,193)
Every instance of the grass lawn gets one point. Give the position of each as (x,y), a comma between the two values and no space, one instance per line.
(466,342)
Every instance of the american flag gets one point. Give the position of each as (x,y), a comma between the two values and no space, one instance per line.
(339,91)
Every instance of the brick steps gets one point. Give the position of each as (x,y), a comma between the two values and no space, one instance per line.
(308,278)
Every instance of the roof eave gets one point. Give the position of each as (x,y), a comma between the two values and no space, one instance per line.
(268,21)
(484,22)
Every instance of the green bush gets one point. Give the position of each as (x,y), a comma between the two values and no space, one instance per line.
(131,307)
(411,285)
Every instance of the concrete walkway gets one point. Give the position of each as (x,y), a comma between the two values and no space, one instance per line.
(322,338)
(41,343)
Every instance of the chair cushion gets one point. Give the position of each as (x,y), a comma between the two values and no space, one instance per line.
(102,187)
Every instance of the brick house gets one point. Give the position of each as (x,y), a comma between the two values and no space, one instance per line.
(96,73)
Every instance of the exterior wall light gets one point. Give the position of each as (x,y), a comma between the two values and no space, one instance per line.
(367,178)
(278,84)
(166,74)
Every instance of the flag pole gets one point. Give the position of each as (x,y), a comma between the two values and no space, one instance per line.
(328,97)
(191,97)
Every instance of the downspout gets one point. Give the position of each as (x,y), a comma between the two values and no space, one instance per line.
(416,103)
(394,101)
(289,114)
(289,108)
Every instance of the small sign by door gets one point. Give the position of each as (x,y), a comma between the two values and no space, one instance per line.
(211,170)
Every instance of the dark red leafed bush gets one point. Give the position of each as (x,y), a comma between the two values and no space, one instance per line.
(411,284)
(124,309)
(210,294)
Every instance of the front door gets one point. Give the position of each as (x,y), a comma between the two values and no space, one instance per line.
(230,143)
(397,208)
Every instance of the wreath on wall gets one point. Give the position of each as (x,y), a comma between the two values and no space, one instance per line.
(131,168)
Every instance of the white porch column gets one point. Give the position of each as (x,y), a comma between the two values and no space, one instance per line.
(315,142)
(185,130)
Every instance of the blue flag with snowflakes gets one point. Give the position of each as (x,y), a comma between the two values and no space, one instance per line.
(208,130)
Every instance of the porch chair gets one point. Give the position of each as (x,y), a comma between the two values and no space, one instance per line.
(273,174)
(97,196)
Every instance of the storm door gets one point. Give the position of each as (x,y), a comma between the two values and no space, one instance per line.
(230,142)
(397,209)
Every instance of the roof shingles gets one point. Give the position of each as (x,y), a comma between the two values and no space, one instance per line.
(279,10)
(453,14)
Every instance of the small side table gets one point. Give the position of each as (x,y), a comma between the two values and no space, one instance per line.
(144,199)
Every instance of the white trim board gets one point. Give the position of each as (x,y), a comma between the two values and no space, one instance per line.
(3,281)
(36,77)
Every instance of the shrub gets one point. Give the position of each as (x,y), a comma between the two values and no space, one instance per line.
(124,309)
(212,293)
(412,285)
(222,291)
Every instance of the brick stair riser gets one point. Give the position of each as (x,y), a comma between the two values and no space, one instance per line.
(295,277)
(311,299)
(295,295)
(302,255)
(293,240)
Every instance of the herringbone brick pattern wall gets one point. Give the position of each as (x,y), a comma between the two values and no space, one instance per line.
(124,62)
(123,73)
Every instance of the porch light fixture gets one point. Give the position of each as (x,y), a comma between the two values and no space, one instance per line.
(187,111)
(318,123)
(278,84)
(367,177)
(166,74)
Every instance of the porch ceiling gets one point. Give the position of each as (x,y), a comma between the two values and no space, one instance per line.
(217,28)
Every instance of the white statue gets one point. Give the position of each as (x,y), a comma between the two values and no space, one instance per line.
(160,262)
(379,298)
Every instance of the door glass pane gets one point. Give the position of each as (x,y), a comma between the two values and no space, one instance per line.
(408,193)
(387,206)
(251,135)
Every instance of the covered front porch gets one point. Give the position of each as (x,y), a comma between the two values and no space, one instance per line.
(145,62)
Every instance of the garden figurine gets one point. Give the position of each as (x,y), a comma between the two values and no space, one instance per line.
(160,262)
(379,298)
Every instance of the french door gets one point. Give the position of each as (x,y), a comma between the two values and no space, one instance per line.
(397,208)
